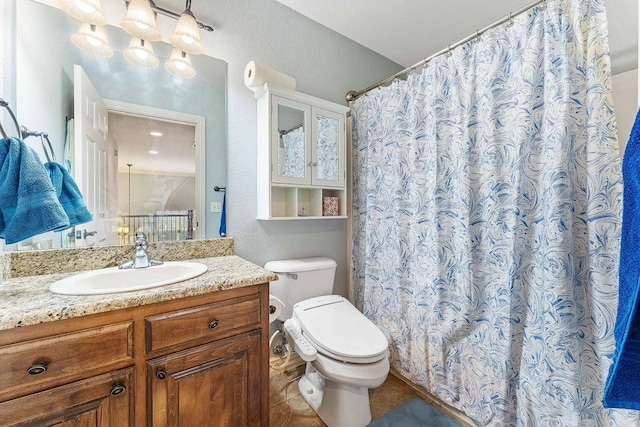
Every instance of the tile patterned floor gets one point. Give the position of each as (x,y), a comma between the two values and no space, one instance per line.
(289,409)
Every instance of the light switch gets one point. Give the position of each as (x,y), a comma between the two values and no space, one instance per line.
(216,207)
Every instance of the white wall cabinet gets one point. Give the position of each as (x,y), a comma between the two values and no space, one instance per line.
(301,156)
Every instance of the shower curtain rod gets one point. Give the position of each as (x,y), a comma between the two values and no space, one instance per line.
(353,95)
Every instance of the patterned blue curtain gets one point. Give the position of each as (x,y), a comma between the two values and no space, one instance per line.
(487,213)
(328,148)
(294,162)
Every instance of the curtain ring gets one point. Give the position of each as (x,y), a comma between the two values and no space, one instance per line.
(510,23)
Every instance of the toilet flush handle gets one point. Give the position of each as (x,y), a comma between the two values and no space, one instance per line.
(293,276)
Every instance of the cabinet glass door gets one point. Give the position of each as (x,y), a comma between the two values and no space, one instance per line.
(291,155)
(328,154)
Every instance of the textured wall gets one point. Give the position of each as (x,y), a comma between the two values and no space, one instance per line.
(325,65)
(625,102)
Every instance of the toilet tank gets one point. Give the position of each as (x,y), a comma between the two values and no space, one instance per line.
(300,279)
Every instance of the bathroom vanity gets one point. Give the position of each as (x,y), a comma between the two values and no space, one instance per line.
(192,353)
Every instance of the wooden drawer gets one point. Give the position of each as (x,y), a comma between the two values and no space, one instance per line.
(103,400)
(202,324)
(34,365)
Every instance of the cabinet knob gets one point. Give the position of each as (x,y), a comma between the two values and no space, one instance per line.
(161,375)
(117,389)
(213,324)
(37,369)
(314,164)
(309,164)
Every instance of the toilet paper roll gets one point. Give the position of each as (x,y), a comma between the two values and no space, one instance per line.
(257,74)
(275,308)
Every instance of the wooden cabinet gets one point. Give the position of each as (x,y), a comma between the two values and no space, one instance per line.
(301,155)
(215,384)
(196,361)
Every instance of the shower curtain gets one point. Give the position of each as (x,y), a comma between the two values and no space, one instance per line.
(487,213)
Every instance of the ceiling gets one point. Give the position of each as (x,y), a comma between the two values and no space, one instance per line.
(175,152)
(408,31)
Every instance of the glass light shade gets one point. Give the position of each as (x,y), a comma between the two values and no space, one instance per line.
(186,36)
(140,52)
(88,11)
(179,64)
(140,21)
(93,39)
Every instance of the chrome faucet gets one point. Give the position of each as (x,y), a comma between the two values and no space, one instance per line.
(140,256)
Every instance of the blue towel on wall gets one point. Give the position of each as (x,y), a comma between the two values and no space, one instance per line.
(223,216)
(28,202)
(622,389)
(68,194)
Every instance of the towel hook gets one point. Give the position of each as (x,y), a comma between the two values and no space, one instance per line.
(48,148)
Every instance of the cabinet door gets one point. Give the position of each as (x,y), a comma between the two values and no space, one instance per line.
(290,141)
(102,401)
(328,154)
(216,385)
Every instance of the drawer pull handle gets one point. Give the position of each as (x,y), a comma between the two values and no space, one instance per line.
(117,389)
(37,369)
(161,375)
(213,324)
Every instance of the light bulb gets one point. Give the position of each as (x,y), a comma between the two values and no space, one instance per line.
(186,35)
(179,64)
(140,52)
(140,22)
(93,39)
(88,11)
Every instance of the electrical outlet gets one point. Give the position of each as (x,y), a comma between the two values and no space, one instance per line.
(216,207)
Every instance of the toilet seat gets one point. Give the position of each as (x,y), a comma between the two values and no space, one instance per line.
(339,331)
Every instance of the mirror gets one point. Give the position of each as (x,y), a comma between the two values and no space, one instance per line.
(44,64)
(291,142)
(327,147)
(299,151)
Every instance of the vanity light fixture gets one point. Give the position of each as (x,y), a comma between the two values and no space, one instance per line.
(140,52)
(140,21)
(186,35)
(88,11)
(92,38)
(155,133)
(179,64)
(153,152)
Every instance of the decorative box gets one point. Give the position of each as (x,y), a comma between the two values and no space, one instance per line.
(330,206)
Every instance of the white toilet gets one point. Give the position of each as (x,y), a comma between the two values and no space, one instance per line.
(346,353)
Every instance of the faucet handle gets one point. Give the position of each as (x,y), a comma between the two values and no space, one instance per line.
(141,235)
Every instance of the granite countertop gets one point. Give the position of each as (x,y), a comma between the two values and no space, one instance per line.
(27,301)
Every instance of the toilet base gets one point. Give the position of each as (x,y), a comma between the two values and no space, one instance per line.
(345,405)
(337,404)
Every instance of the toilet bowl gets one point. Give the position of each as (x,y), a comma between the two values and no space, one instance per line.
(346,353)
(352,357)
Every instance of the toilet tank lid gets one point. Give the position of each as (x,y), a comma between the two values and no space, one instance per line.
(297,265)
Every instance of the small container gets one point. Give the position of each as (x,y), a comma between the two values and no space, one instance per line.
(330,206)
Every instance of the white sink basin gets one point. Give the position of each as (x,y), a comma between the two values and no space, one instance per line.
(113,280)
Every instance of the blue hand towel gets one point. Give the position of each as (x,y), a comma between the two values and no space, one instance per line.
(622,389)
(68,194)
(223,216)
(28,202)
